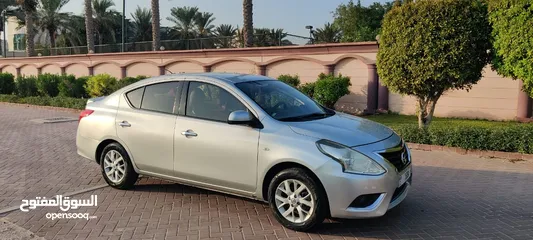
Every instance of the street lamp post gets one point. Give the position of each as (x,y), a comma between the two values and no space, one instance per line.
(310,32)
(4,51)
(123,24)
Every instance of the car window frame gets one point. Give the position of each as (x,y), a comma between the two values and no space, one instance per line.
(128,101)
(185,100)
(181,84)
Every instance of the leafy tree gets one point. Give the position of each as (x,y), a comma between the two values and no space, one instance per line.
(156,26)
(512,33)
(359,23)
(328,34)
(29,8)
(142,24)
(248,29)
(430,46)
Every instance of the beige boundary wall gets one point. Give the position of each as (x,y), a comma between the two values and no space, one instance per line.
(493,97)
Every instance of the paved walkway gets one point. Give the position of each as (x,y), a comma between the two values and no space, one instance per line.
(453,197)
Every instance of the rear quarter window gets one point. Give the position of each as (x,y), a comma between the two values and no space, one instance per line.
(135,97)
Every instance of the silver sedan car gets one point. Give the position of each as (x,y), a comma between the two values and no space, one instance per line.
(251,136)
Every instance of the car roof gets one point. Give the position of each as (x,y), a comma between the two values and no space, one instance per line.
(227,77)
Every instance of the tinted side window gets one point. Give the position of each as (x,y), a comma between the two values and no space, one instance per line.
(211,102)
(135,97)
(162,97)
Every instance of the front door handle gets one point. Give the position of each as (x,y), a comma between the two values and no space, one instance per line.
(189,133)
(124,124)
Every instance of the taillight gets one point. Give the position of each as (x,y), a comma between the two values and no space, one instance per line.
(85,113)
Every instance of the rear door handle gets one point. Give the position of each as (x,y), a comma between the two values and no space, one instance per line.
(124,124)
(189,133)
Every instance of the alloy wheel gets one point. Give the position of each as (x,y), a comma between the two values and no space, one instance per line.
(294,201)
(114,166)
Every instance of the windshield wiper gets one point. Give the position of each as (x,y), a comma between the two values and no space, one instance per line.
(307,116)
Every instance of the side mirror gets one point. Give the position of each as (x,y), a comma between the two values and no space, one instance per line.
(240,117)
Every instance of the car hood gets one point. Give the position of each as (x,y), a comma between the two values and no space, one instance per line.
(345,129)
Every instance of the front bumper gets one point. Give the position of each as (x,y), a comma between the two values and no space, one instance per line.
(344,189)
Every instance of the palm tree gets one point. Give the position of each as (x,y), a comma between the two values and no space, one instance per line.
(203,22)
(261,37)
(50,19)
(248,29)
(75,35)
(105,20)
(142,24)
(225,34)
(327,34)
(156,32)
(276,37)
(184,20)
(89,25)
(29,7)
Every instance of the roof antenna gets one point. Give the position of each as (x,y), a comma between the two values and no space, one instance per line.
(169,71)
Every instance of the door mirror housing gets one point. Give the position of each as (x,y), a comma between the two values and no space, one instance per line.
(240,117)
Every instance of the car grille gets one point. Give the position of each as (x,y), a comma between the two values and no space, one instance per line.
(395,158)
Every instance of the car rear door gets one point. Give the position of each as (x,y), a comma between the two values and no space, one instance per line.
(145,123)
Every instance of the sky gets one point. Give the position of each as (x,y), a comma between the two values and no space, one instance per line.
(291,15)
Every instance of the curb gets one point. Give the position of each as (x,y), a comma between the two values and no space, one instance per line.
(473,152)
(72,110)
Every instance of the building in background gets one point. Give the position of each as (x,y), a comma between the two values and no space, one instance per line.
(16,38)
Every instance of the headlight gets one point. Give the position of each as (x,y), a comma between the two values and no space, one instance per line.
(351,160)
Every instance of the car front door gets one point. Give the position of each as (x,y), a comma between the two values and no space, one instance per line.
(145,123)
(210,151)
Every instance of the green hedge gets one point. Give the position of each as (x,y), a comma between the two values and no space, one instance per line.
(64,102)
(47,84)
(328,89)
(7,83)
(505,138)
(26,86)
(290,79)
(70,86)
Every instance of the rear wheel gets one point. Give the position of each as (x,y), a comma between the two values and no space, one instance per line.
(297,200)
(116,167)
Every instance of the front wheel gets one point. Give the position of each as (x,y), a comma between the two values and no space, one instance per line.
(116,166)
(297,200)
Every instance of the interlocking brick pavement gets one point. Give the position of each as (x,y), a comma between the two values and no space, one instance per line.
(453,197)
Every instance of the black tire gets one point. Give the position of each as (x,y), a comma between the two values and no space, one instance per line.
(130,176)
(315,189)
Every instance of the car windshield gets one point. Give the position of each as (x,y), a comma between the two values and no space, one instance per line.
(283,102)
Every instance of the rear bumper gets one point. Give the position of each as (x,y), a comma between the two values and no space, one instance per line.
(86,147)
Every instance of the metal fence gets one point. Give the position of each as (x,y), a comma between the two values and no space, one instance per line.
(185,44)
